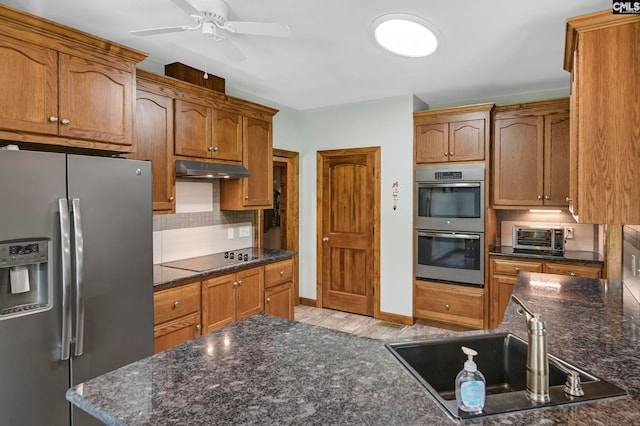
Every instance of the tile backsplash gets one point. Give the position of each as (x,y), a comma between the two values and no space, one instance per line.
(199,227)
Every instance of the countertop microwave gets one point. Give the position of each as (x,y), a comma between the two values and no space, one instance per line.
(548,239)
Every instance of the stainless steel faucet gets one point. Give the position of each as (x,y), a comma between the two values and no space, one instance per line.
(538,359)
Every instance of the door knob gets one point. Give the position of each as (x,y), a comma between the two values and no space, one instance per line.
(325,239)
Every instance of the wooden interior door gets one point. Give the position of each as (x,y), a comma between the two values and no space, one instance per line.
(348,229)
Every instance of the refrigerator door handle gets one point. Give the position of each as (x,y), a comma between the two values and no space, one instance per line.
(79,269)
(65,248)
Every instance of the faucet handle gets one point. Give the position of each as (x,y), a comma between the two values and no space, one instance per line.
(524,308)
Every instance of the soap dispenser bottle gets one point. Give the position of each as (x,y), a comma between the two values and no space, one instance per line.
(470,385)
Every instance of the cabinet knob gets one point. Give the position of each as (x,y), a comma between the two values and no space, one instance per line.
(240,282)
(198,327)
(573,274)
(176,304)
(568,199)
(235,283)
(65,121)
(325,239)
(539,197)
(215,149)
(446,154)
(171,198)
(210,148)
(451,153)
(53,119)
(282,273)
(447,306)
(517,269)
(546,197)
(246,197)
(268,299)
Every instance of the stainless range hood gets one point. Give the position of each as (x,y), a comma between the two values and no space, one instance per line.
(201,170)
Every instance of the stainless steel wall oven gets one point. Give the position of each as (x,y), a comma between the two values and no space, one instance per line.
(450,206)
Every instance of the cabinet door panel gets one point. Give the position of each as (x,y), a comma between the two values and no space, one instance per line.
(218,302)
(249,292)
(97,99)
(518,161)
(154,142)
(466,140)
(432,143)
(278,301)
(556,160)
(227,136)
(192,129)
(258,156)
(502,289)
(29,87)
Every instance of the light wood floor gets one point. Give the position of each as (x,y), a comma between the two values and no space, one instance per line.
(358,325)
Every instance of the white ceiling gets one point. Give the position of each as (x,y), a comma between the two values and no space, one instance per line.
(488,48)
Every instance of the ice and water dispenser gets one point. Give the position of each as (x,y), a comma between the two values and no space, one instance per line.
(25,277)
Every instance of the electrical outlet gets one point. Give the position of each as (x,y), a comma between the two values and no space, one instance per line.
(230,233)
(244,231)
(568,233)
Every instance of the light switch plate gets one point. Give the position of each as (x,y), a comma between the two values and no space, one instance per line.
(230,233)
(568,233)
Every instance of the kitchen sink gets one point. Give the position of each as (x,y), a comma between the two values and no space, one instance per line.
(502,359)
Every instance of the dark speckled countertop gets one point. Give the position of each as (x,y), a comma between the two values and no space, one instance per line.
(568,255)
(267,370)
(165,275)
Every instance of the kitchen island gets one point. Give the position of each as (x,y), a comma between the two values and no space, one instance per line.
(267,370)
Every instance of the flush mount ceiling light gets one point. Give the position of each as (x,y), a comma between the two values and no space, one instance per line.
(405,35)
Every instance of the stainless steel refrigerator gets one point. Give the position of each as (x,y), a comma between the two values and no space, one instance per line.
(76,278)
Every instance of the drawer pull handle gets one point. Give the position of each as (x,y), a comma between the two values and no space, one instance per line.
(282,273)
(176,304)
(573,274)
(447,306)
(517,269)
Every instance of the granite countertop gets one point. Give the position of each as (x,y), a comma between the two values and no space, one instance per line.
(268,370)
(567,255)
(164,275)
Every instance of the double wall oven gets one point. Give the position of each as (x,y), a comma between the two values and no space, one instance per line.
(450,206)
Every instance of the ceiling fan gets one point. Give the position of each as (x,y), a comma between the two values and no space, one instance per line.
(210,17)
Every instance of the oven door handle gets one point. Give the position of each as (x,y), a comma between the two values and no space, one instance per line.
(448,235)
(449,185)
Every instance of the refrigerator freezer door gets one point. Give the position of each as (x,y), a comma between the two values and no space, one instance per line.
(117,279)
(34,379)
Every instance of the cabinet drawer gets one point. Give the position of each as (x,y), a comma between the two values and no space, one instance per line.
(450,303)
(512,267)
(174,332)
(278,272)
(176,302)
(579,270)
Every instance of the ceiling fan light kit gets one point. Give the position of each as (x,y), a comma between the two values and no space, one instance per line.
(405,35)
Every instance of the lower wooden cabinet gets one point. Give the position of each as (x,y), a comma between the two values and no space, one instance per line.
(176,315)
(279,286)
(278,300)
(232,297)
(451,304)
(505,270)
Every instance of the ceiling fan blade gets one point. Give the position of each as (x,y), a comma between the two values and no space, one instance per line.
(162,30)
(187,7)
(258,28)
(230,50)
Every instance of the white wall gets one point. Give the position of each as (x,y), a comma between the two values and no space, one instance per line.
(387,123)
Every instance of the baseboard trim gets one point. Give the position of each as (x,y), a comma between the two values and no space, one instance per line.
(309,302)
(400,319)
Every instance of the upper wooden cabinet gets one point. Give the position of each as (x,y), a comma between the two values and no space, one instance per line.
(451,134)
(257,190)
(64,87)
(601,54)
(206,132)
(531,154)
(154,139)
